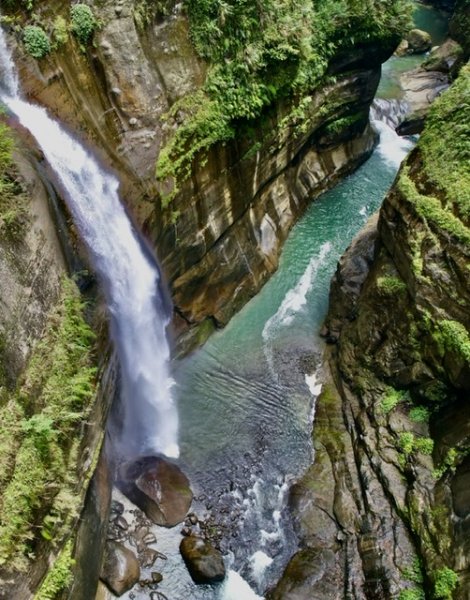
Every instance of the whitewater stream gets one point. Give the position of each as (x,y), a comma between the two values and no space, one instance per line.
(148,419)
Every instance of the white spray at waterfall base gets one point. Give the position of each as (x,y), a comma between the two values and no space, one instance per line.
(130,276)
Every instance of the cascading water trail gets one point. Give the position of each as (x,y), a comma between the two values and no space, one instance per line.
(130,277)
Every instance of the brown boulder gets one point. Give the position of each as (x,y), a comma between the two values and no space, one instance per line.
(204,562)
(158,487)
(120,571)
(419,41)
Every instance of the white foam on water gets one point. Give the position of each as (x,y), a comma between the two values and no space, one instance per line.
(236,588)
(313,384)
(293,302)
(392,148)
(260,561)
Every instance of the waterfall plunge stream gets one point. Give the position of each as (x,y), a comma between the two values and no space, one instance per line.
(130,277)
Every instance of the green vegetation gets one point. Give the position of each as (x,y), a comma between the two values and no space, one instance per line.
(36,41)
(338,126)
(445,582)
(413,574)
(391,399)
(419,414)
(445,145)
(83,22)
(453,336)
(263,51)
(408,443)
(413,593)
(60,33)
(425,445)
(38,426)
(12,198)
(431,209)
(390,286)
(448,464)
(59,577)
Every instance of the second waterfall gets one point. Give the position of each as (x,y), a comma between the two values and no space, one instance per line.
(130,277)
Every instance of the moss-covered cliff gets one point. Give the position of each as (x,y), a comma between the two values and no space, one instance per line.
(246,122)
(385,509)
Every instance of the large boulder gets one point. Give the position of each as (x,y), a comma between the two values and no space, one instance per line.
(419,41)
(158,487)
(120,571)
(204,562)
(444,57)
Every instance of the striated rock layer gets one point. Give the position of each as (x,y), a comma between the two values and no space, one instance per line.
(385,510)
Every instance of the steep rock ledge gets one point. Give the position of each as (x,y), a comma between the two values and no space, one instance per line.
(384,511)
(236,209)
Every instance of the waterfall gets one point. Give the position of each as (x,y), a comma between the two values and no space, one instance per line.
(385,116)
(129,275)
(391,112)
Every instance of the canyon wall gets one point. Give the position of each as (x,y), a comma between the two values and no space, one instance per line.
(384,512)
(219,237)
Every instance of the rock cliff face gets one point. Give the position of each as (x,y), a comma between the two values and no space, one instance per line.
(385,510)
(220,237)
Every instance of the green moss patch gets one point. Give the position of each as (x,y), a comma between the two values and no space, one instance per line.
(432,210)
(12,197)
(40,432)
(262,51)
(445,145)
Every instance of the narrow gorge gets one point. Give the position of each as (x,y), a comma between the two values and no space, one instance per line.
(209,424)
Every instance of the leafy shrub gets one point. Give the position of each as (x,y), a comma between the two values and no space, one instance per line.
(391,399)
(424,445)
(36,41)
(59,577)
(60,31)
(419,414)
(260,51)
(406,442)
(12,199)
(37,469)
(83,22)
(445,581)
(390,286)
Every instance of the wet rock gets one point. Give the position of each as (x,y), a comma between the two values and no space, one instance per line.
(419,41)
(192,519)
(204,562)
(121,569)
(186,531)
(149,539)
(156,577)
(117,508)
(122,523)
(158,487)
(444,57)
(148,557)
(413,124)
